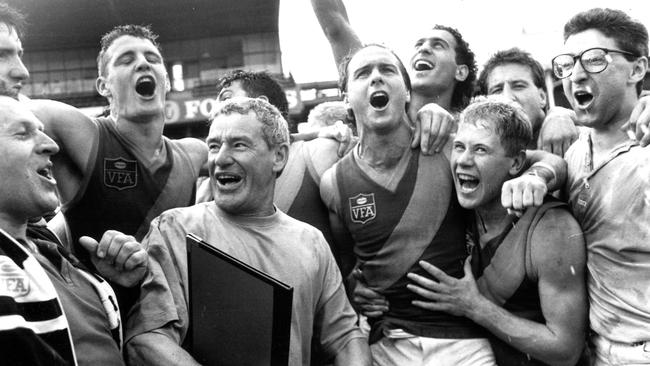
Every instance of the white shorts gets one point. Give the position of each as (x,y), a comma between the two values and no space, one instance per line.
(398,347)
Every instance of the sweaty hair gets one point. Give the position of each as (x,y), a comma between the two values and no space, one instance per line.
(503,117)
(256,84)
(275,129)
(511,56)
(630,35)
(12,18)
(464,56)
(343,67)
(137,31)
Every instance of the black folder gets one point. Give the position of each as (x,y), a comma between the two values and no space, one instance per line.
(239,315)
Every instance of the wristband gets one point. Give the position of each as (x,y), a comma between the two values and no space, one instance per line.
(540,164)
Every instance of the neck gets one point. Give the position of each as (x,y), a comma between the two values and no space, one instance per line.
(385,150)
(492,217)
(418,100)
(16,228)
(146,135)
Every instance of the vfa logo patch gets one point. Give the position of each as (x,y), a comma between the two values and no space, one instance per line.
(13,280)
(120,173)
(362,208)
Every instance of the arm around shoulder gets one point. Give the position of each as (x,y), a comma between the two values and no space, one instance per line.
(558,254)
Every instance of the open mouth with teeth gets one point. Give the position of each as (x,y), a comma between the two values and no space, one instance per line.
(422,65)
(379,99)
(227,179)
(46,173)
(467,183)
(583,98)
(145,86)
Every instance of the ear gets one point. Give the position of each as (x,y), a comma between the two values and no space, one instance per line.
(280,158)
(518,162)
(462,71)
(264,98)
(543,99)
(168,84)
(102,88)
(639,70)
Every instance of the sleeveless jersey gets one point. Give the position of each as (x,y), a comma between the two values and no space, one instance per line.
(297,190)
(121,193)
(504,265)
(393,231)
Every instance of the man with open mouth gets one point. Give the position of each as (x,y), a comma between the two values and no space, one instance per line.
(602,67)
(529,290)
(442,69)
(391,207)
(248,147)
(119,172)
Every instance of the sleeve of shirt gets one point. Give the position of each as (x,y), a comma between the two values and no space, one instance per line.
(335,323)
(162,296)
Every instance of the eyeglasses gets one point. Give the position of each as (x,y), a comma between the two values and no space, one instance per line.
(593,60)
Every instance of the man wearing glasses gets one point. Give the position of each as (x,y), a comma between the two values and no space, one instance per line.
(608,186)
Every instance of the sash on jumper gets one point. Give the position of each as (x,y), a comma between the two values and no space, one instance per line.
(420,221)
(174,188)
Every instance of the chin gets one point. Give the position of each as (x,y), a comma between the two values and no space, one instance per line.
(467,203)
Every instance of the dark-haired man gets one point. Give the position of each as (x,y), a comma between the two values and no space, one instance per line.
(442,70)
(391,207)
(602,67)
(119,172)
(516,75)
(529,290)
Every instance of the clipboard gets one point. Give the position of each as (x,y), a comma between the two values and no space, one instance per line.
(238,314)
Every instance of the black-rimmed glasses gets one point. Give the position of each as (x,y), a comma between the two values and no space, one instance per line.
(593,60)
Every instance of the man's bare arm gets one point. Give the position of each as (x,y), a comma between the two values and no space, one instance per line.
(355,353)
(156,348)
(333,19)
(558,255)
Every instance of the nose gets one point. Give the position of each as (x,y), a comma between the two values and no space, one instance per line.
(222,157)
(142,64)
(578,73)
(508,93)
(376,77)
(46,145)
(465,158)
(18,70)
(424,48)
